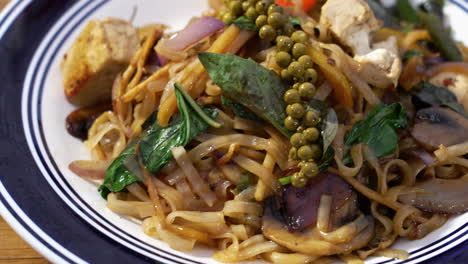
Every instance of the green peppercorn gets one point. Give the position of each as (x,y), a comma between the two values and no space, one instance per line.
(252,2)
(222,13)
(297,140)
(291,123)
(296,86)
(276,20)
(296,69)
(300,129)
(267,33)
(316,151)
(295,110)
(285,75)
(311,134)
(245,5)
(307,90)
(275,8)
(298,180)
(311,75)
(283,59)
(288,29)
(228,17)
(299,36)
(261,20)
(298,50)
(310,169)
(293,153)
(291,96)
(262,6)
(306,60)
(236,7)
(311,118)
(251,13)
(284,43)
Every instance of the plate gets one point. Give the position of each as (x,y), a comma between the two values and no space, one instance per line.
(61,215)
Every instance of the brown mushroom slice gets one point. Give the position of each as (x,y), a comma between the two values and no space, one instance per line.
(439,196)
(310,241)
(79,121)
(301,204)
(437,126)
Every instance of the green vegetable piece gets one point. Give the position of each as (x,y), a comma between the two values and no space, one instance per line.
(285,180)
(246,179)
(117,175)
(240,110)
(441,36)
(327,159)
(406,12)
(378,130)
(245,23)
(261,90)
(155,148)
(411,53)
(383,14)
(430,94)
(295,21)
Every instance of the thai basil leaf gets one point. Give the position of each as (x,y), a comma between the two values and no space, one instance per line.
(378,130)
(327,159)
(441,36)
(429,94)
(245,23)
(117,175)
(407,12)
(329,129)
(256,88)
(155,148)
(411,53)
(240,110)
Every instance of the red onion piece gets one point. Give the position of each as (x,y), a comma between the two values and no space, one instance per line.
(162,60)
(89,169)
(193,33)
(424,156)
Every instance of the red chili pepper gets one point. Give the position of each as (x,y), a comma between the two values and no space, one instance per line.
(307,5)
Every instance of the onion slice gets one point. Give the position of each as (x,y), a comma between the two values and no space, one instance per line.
(193,33)
(455,67)
(90,169)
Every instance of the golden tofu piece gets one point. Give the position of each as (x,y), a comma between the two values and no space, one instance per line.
(102,50)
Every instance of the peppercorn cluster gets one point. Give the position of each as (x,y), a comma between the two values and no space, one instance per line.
(297,70)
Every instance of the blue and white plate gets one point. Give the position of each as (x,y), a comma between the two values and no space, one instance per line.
(61,215)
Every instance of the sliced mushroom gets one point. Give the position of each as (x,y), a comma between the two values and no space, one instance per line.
(310,241)
(301,204)
(437,126)
(440,196)
(79,121)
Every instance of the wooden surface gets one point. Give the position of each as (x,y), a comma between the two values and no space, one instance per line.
(13,250)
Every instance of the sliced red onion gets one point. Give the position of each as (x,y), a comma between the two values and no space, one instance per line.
(89,169)
(195,32)
(424,156)
(162,60)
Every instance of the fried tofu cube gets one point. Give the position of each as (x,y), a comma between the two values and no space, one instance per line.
(102,50)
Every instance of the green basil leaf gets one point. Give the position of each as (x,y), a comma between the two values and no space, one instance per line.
(431,94)
(155,144)
(329,129)
(327,159)
(245,23)
(378,129)
(155,148)
(240,110)
(411,53)
(257,88)
(117,175)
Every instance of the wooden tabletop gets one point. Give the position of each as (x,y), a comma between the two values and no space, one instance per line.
(13,250)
